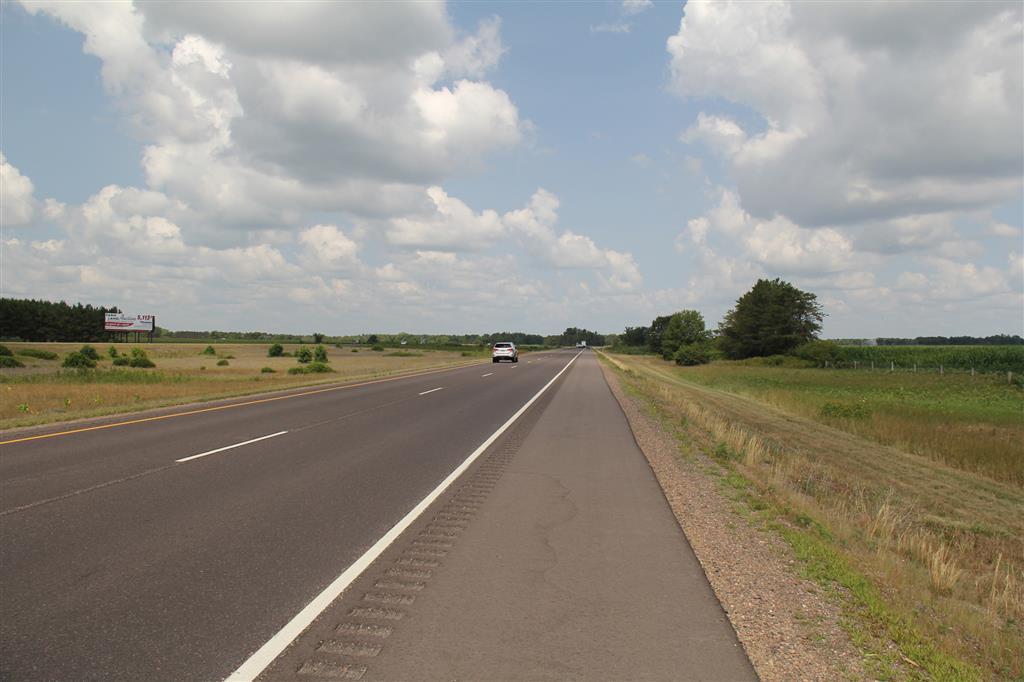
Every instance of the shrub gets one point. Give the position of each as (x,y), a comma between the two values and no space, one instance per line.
(311,368)
(112,352)
(140,359)
(318,338)
(89,352)
(78,360)
(304,355)
(37,353)
(9,361)
(857,410)
(684,328)
(6,352)
(819,352)
(691,354)
(320,354)
(355,350)
(403,354)
(121,361)
(268,370)
(223,363)
(378,348)
(276,351)
(209,351)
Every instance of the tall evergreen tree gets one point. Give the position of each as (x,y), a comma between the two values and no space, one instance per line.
(772,318)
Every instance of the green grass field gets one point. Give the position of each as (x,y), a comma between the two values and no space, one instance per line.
(973,423)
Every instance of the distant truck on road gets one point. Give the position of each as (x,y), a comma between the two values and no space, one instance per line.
(581,344)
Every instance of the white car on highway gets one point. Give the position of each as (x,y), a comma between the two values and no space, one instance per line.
(504,350)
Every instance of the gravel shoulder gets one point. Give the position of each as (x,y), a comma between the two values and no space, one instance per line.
(788,627)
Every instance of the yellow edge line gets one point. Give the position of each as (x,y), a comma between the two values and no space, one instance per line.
(227,407)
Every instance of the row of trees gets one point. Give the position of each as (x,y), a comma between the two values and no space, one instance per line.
(31,320)
(996,340)
(572,336)
(773,318)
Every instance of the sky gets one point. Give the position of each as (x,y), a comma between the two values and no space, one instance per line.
(472,167)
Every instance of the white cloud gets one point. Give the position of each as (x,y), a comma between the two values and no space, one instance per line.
(1003,230)
(719,133)
(636,6)
(17,205)
(329,246)
(535,226)
(844,138)
(778,245)
(257,118)
(451,224)
(477,54)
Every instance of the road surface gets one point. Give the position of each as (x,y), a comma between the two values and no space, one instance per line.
(182,548)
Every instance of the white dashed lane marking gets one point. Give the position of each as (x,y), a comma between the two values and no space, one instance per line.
(229,447)
(439,388)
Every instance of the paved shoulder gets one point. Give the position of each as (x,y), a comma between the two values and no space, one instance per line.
(566,564)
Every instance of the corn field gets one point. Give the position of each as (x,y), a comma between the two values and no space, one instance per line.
(978,358)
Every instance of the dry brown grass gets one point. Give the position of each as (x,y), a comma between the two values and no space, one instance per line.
(40,393)
(945,546)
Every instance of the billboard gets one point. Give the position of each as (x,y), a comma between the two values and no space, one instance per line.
(120,322)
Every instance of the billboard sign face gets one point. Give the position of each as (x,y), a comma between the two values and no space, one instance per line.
(119,322)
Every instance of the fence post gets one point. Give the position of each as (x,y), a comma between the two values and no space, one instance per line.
(915,367)
(1009,377)
(872,365)
(855,364)
(940,370)
(892,366)
(972,371)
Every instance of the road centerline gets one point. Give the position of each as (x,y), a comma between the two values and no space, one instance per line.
(439,388)
(229,447)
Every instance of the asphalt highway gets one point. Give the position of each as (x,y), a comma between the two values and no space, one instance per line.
(175,548)
(118,562)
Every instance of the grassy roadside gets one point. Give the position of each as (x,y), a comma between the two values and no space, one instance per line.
(969,422)
(42,393)
(925,559)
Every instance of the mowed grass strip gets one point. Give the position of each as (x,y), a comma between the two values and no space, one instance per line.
(927,557)
(42,393)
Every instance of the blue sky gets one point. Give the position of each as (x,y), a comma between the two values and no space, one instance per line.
(533,166)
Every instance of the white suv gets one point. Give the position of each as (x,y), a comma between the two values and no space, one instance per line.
(504,350)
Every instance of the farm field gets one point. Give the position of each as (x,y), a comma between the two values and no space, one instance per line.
(41,392)
(924,546)
(931,358)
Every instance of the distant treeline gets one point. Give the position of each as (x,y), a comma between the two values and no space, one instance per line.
(31,320)
(216,335)
(997,340)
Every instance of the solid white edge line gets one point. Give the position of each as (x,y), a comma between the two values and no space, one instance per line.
(266,654)
(439,388)
(229,447)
